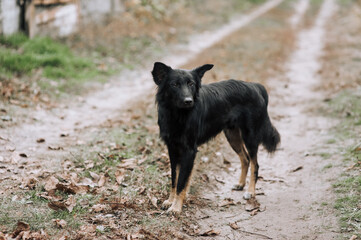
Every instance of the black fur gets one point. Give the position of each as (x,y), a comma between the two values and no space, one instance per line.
(190,114)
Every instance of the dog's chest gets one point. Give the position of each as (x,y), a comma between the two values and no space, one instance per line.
(175,127)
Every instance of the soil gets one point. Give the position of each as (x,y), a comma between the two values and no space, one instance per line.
(292,184)
(295,196)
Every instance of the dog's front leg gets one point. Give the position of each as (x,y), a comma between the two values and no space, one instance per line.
(174,163)
(175,172)
(183,180)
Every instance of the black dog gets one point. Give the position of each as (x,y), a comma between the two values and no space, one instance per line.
(190,114)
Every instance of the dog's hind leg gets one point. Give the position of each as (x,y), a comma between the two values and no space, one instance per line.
(234,138)
(251,192)
(184,177)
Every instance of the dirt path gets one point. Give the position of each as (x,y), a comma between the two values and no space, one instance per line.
(293,185)
(292,188)
(96,108)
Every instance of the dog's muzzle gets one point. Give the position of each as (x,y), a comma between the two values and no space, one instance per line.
(188,102)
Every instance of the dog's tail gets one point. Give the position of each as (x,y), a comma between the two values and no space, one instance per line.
(271,137)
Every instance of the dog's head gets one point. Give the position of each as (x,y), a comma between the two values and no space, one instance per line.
(179,86)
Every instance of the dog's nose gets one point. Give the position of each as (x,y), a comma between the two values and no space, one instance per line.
(188,101)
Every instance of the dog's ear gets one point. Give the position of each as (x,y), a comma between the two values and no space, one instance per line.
(160,72)
(202,69)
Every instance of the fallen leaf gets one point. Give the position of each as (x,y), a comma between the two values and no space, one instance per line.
(56,148)
(254,212)
(211,232)
(141,190)
(115,147)
(31,182)
(153,200)
(20,227)
(99,208)
(51,183)
(74,177)
(24,235)
(227,202)
(205,177)
(252,204)
(119,176)
(2,236)
(89,165)
(4,138)
(102,181)
(60,223)
(86,183)
(40,140)
(146,234)
(87,230)
(234,226)
(135,117)
(353,237)
(226,161)
(95,176)
(72,188)
(70,203)
(57,205)
(130,163)
(219,180)
(42,235)
(297,169)
(51,197)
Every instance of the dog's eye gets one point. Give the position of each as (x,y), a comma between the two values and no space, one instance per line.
(174,84)
(191,84)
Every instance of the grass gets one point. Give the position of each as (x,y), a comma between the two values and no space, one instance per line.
(34,210)
(346,106)
(59,67)
(22,55)
(327,166)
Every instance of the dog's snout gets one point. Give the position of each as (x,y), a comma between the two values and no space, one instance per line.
(188,101)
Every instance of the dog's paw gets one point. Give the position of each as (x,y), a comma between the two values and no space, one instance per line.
(175,208)
(248,195)
(237,187)
(166,204)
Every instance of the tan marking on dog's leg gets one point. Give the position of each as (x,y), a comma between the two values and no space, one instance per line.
(243,156)
(178,202)
(172,194)
(179,198)
(251,192)
(188,186)
(244,170)
(170,200)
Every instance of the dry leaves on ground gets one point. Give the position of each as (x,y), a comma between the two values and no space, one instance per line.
(254,206)
(209,233)
(227,202)
(60,223)
(22,231)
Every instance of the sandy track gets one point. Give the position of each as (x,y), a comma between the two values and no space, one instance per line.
(293,184)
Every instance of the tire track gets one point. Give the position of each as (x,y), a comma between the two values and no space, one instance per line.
(292,198)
